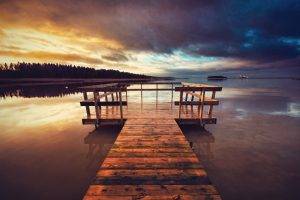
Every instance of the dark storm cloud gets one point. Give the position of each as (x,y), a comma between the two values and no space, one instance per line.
(116,57)
(262,31)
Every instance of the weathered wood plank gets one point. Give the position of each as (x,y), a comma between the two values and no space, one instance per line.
(150,180)
(152,150)
(196,103)
(133,190)
(150,173)
(151,176)
(150,89)
(158,145)
(197,121)
(160,197)
(147,155)
(183,197)
(149,142)
(102,103)
(150,163)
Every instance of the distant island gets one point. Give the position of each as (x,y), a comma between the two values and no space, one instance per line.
(49,70)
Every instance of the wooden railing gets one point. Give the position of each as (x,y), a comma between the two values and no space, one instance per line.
(198,91)
(103,92)
(191,95)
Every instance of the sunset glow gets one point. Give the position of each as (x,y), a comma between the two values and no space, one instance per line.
(151,37)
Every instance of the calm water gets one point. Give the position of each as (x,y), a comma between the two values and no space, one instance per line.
(252,152)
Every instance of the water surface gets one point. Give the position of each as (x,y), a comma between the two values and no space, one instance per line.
(251,153)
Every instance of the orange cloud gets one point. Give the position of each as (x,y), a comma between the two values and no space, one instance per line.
(50,56)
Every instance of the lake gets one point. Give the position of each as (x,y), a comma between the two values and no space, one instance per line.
(251,153)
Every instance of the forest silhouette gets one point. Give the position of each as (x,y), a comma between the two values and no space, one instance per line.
(50,70)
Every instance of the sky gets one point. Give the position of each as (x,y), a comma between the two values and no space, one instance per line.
(166,37)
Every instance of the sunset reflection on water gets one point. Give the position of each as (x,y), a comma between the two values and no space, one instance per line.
(43,144)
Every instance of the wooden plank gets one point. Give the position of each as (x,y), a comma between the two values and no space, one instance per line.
(132,190)
(101,121)
(180,104)
(152,151)
(197,121)
(99,86)
(149,145)
(148,163)
(149,121)
(109,87)
(198,88)
(161,82)
(196,103)
(87,108)
(121,106)
(183,197)
(97,110)
(150,89)
(201,85)
(150,138)
(211,106)
(150,173)
(151,176)
(160,197)
(102,103)
(123,154)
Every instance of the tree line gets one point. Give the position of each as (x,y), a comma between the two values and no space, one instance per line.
(50,70)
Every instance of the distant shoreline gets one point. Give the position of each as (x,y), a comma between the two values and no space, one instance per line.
(8,82)
(224,78)
(291,78)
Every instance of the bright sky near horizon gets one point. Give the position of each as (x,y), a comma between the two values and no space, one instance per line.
(152,37)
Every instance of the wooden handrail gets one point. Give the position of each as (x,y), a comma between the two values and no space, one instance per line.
(198,88)
(104,95)
(193,94)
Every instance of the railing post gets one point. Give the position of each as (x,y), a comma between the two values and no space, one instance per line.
(117,98)
(156,94)
(106,100)
(199,103)
(121,106)
(213,96)
(192,99)
(172,94)
(186,96)
(112,97)
(141,89)
(96,108)
(87,108)
(180,102)
(202,103)
(126,95)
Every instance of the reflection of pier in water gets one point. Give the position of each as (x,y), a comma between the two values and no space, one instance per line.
(151,158)
(201,140)
(100,141)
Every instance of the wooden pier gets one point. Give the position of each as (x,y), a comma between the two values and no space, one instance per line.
(151,158)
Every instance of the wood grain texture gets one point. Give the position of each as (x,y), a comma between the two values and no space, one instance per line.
(151,159)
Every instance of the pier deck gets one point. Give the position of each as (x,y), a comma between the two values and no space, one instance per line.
(151,159)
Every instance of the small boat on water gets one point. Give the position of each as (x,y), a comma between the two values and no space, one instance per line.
(243,76)
(216,78)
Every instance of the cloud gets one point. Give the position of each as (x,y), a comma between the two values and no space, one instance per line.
(50,57)
(247,31)
(115,57)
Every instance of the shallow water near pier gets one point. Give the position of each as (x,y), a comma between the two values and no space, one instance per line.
(251,153)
